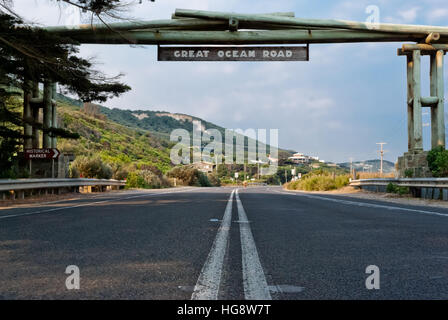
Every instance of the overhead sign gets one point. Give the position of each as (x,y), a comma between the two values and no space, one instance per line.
(45,154)
(233,53)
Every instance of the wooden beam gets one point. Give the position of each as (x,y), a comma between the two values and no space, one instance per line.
(136,25)
(432,37)
(326,23)
(429,101)
(424,47)
(282,14)
(241,37)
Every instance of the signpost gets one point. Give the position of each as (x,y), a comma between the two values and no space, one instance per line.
(42,154)
(233,53)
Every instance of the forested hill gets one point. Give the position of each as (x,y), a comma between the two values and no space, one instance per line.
(124,136)
(162,123)
(159,122)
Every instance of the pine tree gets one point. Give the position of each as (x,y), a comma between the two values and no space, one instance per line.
(31,55)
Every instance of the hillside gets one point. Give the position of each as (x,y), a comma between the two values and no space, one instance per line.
(125,137)
(162,123)
(371,165)
(115,143)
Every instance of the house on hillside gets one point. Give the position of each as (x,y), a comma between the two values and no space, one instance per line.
(300,158)
(204,166)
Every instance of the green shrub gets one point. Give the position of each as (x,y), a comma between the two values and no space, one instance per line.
(322,182)
(342,181)
(408,173)
(189,176)
(203,180)
(438,162)
(135,181)
(214,179)
(91,168)
(119,171)
(403,190)
(273,180)
(146,179)
(293,185)
(73,172)
(391,188)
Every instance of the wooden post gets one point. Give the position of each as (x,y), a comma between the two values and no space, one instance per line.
(433,93)
(54,115)
(410,102)
(441,95)
(27,116)
(416,103)
(35,116)
(46,142)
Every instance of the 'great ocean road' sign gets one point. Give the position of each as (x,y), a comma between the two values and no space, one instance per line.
(233,53)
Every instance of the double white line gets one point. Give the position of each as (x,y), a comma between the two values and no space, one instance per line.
(254,280)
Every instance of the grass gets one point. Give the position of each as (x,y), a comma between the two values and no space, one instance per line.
(374,175)
(322,182)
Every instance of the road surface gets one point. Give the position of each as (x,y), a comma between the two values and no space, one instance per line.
(223,243)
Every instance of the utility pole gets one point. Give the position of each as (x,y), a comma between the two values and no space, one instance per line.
(351,166)
(216,163)
(381,151)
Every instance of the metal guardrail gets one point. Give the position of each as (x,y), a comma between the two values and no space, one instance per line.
(404,182)
(29,184)
(428,188)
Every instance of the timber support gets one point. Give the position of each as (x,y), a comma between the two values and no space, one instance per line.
(414,162)
(32,104)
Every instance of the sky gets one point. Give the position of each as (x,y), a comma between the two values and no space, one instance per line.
(336,106)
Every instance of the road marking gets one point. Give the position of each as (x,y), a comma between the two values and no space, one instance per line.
(207,286)
(285,288)
(366,204)
(89,203)
(254,280)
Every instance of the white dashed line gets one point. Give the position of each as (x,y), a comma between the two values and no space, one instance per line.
(254,280)
(207,286)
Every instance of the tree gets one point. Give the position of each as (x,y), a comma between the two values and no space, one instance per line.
(30,55)
(222,170)
(438,162)
(101,9)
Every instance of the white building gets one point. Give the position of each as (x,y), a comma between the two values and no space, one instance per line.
(301,158)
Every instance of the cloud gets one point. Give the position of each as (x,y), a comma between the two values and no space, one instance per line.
(437,14)
(409,15)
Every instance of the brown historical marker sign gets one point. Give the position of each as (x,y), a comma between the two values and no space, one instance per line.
(233,53)
(46,154)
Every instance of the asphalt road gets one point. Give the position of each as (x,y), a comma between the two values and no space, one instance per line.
(219,243)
